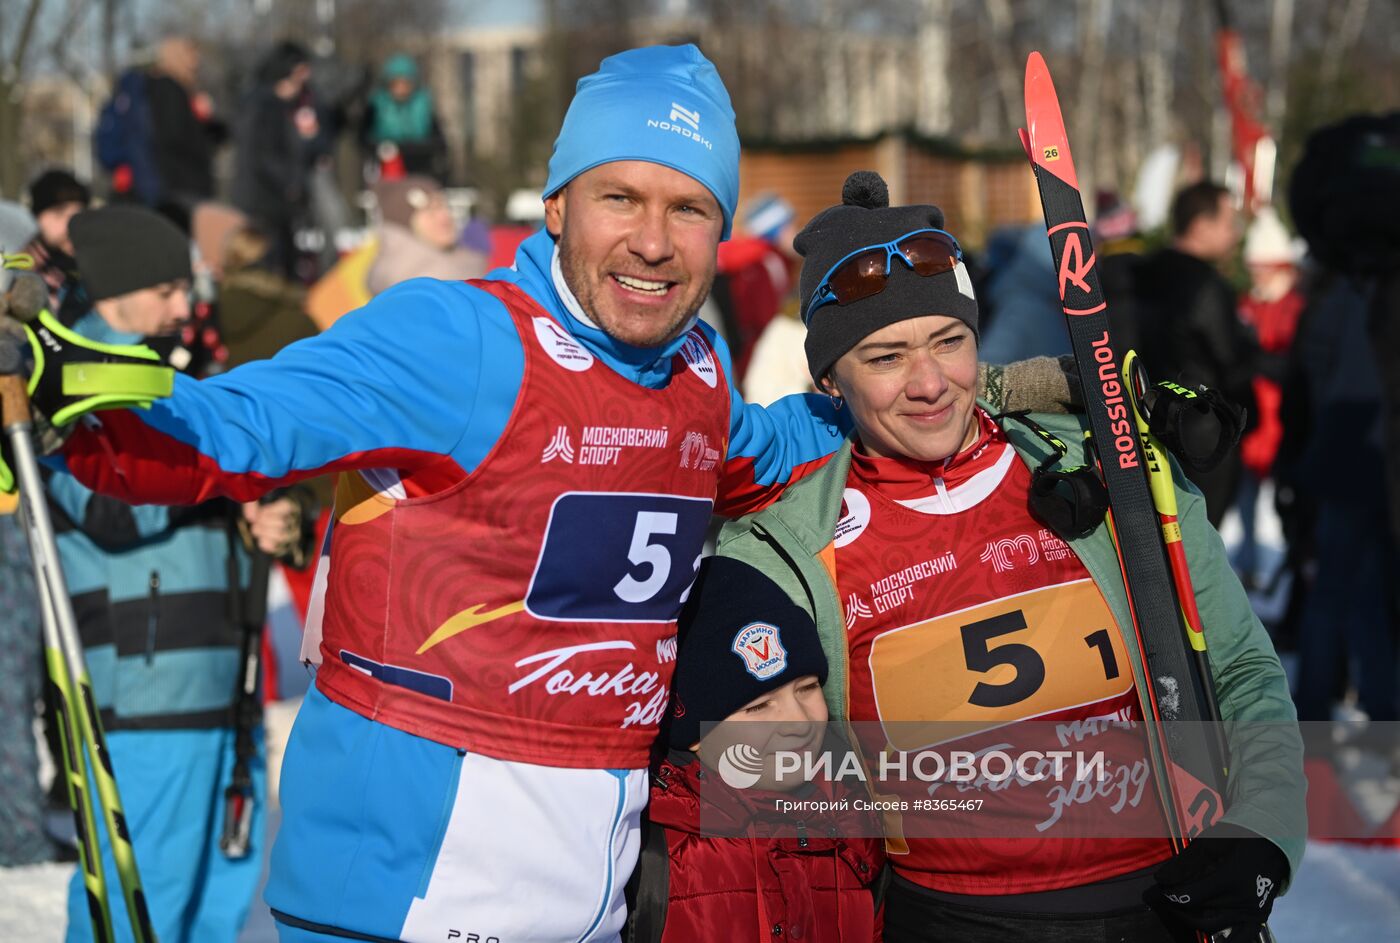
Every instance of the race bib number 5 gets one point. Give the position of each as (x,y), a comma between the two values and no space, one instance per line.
(610,557)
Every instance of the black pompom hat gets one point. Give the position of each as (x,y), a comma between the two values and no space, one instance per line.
(865,218)
(740,637)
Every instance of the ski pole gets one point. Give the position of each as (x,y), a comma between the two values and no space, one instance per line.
(71,759)
(75,686)
(17,426)
(1159,480)
(235,839)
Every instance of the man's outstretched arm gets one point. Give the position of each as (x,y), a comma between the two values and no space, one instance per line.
(418,381)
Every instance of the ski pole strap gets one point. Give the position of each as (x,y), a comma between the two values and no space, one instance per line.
(74,375)
(1198,426)
(1071,501)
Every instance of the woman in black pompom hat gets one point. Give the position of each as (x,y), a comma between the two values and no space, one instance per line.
(863,219)
(946,589)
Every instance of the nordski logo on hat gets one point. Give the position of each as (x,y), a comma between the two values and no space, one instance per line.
(682,121)
(679,113)
(761,649)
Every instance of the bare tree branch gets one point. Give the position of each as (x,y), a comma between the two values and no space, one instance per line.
(1342,40)
(1088,107)
(1005,66)
(60,47)
(21,47)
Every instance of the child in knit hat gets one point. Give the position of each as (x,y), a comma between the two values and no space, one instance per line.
(721,859)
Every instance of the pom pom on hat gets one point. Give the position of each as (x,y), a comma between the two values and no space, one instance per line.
(867,189)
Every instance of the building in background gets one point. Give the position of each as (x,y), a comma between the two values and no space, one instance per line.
(814,102)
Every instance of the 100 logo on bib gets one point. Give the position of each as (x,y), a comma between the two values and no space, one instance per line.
(610,557)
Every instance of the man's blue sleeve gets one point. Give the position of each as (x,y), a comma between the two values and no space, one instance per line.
(772,446)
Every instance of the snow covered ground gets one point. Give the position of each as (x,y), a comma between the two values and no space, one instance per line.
(1343,892)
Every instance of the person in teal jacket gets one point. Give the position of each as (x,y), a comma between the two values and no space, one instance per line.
(401,114)
(942,594)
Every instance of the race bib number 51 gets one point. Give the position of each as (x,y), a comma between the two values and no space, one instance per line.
(610,557)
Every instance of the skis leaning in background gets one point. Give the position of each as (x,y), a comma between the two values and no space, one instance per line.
(1179,699)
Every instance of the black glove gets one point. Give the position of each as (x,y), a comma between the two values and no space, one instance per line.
(1226,879)
(1198,426)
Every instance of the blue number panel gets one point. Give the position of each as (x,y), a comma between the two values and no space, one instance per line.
(610,557)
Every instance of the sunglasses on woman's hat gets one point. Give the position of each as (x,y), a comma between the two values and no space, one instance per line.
(865,271)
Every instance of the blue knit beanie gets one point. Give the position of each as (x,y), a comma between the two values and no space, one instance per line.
(663,104)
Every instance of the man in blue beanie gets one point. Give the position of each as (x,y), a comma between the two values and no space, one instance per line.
(529,463)
(529,466)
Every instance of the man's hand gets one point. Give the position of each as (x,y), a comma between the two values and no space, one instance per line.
(1226,879)
(275,527)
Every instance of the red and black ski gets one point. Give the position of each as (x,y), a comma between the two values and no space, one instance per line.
(1178,698)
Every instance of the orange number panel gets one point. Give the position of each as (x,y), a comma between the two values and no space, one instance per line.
(1017,658)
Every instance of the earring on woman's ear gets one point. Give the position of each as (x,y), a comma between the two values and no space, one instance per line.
(828,386)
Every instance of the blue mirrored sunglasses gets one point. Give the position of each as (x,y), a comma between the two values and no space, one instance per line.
(864,272)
